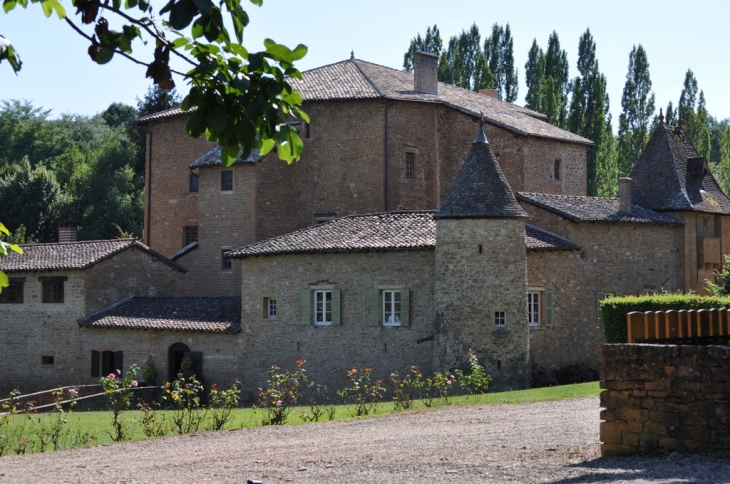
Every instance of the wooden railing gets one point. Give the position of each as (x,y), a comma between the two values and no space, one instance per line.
(703,326)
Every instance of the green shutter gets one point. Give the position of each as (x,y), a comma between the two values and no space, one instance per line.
(373,308)
(336,307)
(599,297)
(548,308)
(305,307)
(405,307)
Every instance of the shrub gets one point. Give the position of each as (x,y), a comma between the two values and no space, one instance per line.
(439,387)
(477,380)
(283,393)
(118,391)
(575,373)
(543,377)
(362,392)
(615,309)
(222,403)
(184,397)
(405,389)
(319,405)
(149,372)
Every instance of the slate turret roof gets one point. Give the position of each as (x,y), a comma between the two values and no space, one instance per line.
(480,189)
(213,158)
(355,79)
(670,175)
(73,255)
(582,209)
(198,314)
(388,231)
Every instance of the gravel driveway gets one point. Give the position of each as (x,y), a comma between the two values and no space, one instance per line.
(553,442)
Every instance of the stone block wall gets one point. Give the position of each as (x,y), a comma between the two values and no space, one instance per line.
(665,397)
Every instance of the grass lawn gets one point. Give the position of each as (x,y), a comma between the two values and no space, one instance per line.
(24,434)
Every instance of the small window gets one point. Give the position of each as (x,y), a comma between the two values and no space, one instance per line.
(269,308)
(13,294)
(556,170)
(190,235)
(323,307)
(410,165)
(226,262)
(533,308)
(227,181)
(391,308)
(47,360)
(52,289)
(193,183)
(500,319)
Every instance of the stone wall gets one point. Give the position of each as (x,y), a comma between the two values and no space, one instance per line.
(614,259)
(330,351)
(665,397)
(480,269)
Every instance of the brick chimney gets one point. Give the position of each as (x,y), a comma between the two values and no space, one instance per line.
(625,185)
(490,92)
(67,231)
(425,72)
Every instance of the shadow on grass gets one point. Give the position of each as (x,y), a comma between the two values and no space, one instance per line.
(672,468)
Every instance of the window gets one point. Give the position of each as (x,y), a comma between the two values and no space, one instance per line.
(539,307)
(190,235)
(48,359)
(556,170)
(269,307)
(500,319)
(533,308)
(388,306)
(226,262)
(52,288)
(104,363)
(410,165)
(193,183)
(13,294)
(227,181)
(319,306)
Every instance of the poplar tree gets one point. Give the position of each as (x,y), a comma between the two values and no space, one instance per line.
(534,73)
(637,105)
(548,85)
(671,115)
(694,116)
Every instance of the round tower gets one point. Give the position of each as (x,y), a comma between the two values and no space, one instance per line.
(480,282)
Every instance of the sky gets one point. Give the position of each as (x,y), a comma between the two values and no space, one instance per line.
(57,73)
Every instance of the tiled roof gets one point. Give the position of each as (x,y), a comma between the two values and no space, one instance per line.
(480,189)
(72,255)
(539,239)
(199,314)
(213,158)
(188,248)
(671,175)
(375,232)
(357,79)
(594,209)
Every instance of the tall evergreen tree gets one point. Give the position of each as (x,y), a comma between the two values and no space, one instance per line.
(430,43)
(671,115)
(510,86)
(548,85)
(694,116)
(534,74)
(637,105)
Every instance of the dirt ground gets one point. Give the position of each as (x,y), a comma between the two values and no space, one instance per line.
(554,442)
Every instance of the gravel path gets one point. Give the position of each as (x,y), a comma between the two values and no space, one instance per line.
(554,442)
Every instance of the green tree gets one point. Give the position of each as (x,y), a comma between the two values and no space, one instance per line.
(671,116)
(693,113)
(242,99)
(534,74)
(430,43)
(548,85)
(119,114)
(499,54)
(637,105)
(157,99)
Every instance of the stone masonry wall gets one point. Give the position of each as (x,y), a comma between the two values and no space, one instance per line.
(172,205)
(227,221)
(470,286)
(330,351)
(614,259)
(665,397)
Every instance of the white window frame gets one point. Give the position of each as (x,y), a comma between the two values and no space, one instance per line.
(322,316)
(271,307)
(500,318)
(388,306)
(537,295)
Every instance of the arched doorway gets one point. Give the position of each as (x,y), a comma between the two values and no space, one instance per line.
(175,355)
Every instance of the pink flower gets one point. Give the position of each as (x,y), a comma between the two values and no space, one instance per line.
(448,382)
(279,402)
(111,376)
(72,391)
(134,383)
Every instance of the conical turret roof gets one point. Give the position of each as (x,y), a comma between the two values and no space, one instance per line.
(481,189)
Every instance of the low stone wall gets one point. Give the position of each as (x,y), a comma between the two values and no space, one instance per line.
(664,397)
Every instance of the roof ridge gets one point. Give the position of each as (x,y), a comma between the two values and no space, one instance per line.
(38,244)
(367,78)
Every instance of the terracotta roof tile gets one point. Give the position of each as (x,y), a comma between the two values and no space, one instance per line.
(72,255)
(594,209)
(167,113)
(198,314)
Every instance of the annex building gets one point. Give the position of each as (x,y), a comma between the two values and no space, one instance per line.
(399,239)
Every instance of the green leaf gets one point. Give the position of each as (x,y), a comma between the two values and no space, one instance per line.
(229,154)
(280,52)
(15,248)
(103,55)
(4,282)
(246,135)
(9,5)
(4,229)
(300,51)
(241,82)
(218,117)
(203,5)
(182,13)
(266,146)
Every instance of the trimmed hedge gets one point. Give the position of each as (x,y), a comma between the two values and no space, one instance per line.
(615,309)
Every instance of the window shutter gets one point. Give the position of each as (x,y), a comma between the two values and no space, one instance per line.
(373,307)
(305,307)
(548,308)
(119,361)
(95,358)
(599,297)
(405,307)
(336,307)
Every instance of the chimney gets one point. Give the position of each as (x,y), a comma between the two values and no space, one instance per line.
(490,92)
(67,231)
(625,185)
(425,72)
